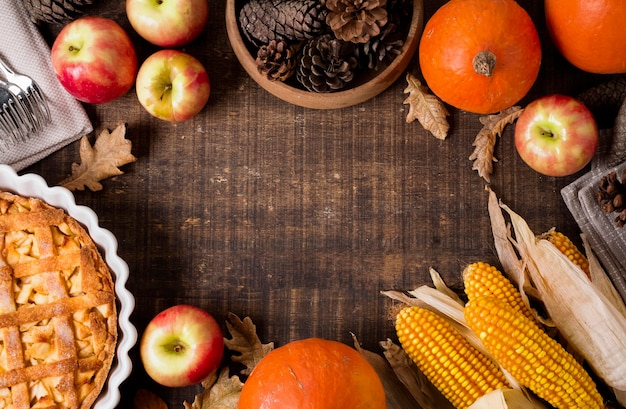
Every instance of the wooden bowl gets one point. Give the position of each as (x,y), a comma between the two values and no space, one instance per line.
(367,86)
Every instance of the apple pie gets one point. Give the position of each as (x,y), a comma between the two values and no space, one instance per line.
(58,320)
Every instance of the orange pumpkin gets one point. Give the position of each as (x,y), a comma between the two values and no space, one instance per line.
(590,34)
(480,56)
(313,373)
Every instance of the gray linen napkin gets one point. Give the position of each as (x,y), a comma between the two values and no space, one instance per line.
(26,52)
(606,239)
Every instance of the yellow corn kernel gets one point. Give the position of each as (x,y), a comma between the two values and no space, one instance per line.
(447,359)
(481,279)
(537,361)
(568,248)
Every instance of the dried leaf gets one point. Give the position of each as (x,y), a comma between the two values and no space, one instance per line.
(223,394)
(485,140)
(101,161)
(426,108)
(245,341)
(144,399)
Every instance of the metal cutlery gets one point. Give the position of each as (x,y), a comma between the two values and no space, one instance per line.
(23,108)
(13,118)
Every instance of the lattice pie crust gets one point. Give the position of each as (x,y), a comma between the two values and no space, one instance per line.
(58,322)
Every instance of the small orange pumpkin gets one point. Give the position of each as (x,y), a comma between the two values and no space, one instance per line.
(313,373)
(480,56)
(590,34)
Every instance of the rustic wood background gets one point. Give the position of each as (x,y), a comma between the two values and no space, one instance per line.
(298,218)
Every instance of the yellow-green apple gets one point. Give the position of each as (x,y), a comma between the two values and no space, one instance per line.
(556,135)
(172,85)
(94,59)
(181,346)
(168,23)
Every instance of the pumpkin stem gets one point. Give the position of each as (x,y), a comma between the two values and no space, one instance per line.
(484,62)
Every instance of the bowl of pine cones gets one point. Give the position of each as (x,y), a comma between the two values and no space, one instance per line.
(324,54)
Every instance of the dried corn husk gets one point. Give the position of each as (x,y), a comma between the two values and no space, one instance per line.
(601,280)
(502,398)
(581,311)
(398,396)
(422,390)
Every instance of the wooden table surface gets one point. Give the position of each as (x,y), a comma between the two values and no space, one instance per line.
(295,217)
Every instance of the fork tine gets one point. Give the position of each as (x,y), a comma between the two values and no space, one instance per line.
(32,92)
(5,126)
(31,110)
(17,118)
(11,129)
(21,116)
(23,106)
(15,114)
(42,105)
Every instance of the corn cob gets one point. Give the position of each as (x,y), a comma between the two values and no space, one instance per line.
(460,372)
(481,279)
(567,247)
(537,361)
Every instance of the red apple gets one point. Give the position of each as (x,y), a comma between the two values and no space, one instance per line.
(94,60)
(172,85)
(168,23)
(556,135)
(181,346)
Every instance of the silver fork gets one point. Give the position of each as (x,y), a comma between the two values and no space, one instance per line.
(24,107)
(30,91)
(12,118)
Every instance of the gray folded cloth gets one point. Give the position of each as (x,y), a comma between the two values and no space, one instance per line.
(26,52)
(607,241)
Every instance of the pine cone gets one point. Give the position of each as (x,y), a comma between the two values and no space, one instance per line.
(327,64)
(356,20)
(55,11)
(612,196)
(381,49)
(276,60)
(292,20)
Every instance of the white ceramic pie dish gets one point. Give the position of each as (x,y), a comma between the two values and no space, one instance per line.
(35,186)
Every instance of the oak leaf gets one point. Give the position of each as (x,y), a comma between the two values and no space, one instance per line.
(221,394)
(485,140)
(426,108)
(110,150)
(144,399)
(246,342)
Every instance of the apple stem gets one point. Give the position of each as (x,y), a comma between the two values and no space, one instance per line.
(547,133)
(165,91)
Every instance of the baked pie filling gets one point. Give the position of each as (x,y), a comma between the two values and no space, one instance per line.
(58,320)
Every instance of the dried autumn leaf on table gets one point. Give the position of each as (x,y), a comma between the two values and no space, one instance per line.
(223,394)
(245,341)
(144,399)
(485,140)
(426,108)
(101,161)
